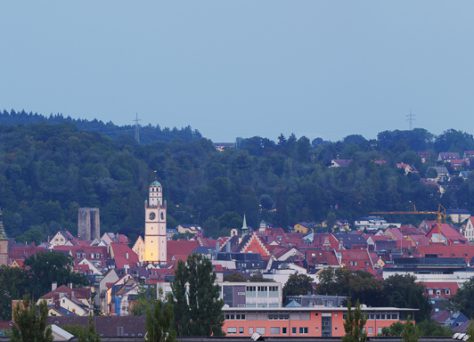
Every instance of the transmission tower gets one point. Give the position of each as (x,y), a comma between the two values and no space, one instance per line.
(137,128)
(410,119)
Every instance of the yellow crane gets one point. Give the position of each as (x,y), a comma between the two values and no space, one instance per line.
(440,214)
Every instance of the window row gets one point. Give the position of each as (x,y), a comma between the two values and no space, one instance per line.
(235,316)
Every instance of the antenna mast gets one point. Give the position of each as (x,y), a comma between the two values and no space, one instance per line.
(137,128)
(410,119)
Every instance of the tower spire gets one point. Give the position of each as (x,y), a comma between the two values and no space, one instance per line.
(244,228)
(3,234)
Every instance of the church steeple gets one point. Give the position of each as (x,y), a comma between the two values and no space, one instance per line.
(244,228)
(3,243)
(3,234)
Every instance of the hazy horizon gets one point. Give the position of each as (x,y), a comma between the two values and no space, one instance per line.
(240,69)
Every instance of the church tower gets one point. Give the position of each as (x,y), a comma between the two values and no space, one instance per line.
(3,243)
(155,225)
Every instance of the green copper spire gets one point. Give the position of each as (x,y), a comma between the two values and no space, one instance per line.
(3,235)
(244,225)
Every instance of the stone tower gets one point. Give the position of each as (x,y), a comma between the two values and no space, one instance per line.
(88,223)
(3,243)
(155,225)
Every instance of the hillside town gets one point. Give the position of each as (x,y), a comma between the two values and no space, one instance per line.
(253,265)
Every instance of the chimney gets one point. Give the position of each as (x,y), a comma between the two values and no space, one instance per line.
(70,285)
(54,286)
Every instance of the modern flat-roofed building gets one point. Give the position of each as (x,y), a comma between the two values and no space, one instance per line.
(252,294)
(305,321)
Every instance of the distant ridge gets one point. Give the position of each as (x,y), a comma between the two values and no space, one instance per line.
(148,134)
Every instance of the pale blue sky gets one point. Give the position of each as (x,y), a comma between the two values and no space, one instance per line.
(243,68)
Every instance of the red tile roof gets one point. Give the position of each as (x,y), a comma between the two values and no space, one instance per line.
(460,251)
(123,255)
(181,248)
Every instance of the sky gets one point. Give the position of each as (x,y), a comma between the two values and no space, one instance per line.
(240,68)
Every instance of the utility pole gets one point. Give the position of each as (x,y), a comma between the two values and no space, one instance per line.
(410,119)
(137,128)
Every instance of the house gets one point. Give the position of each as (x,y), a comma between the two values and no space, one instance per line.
(442,173)
(351,240)
(251,243)
(458,216)
(424,156)
(442,233)
(122,295)
(444,290)
(407,168)
(458,164)
(192,229)
(139,248)
(468,229)
(325,241)
(336,163)
(317,259)
(304,227)
(123,256)
(62,238)
(180,249)
(468,154)
(66,300)
(358,260)
(447,156)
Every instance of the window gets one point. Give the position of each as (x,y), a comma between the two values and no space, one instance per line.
(260,331)
(293,330)
(241,330)
(275,331)
(250,331)
(303,330)
(283,330)
(370,331)
(447,292)
(231,330)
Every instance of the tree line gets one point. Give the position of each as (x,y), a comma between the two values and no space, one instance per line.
(48,171)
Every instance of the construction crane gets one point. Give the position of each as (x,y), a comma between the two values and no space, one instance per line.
(440,214)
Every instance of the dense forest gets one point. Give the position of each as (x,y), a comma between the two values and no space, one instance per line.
(49,170)
(148,134)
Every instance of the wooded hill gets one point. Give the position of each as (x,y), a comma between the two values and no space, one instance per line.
(49,170)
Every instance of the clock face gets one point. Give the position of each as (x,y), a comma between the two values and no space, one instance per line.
(152,216)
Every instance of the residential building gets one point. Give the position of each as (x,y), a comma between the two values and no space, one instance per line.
(251,294)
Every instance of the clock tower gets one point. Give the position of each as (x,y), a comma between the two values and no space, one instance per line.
(155,225)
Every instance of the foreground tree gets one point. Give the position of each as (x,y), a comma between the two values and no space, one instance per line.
(298,284)
(354,324)
(402,291)
(49,267)
(409,332)
(464,299)
(198,309)
(30,323)
(159,322)
(14,284)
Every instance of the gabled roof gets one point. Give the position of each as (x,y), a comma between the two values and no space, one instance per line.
(450,233)
(182,248)
(123,255)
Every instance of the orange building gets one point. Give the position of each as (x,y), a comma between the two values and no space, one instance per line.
(305,321)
